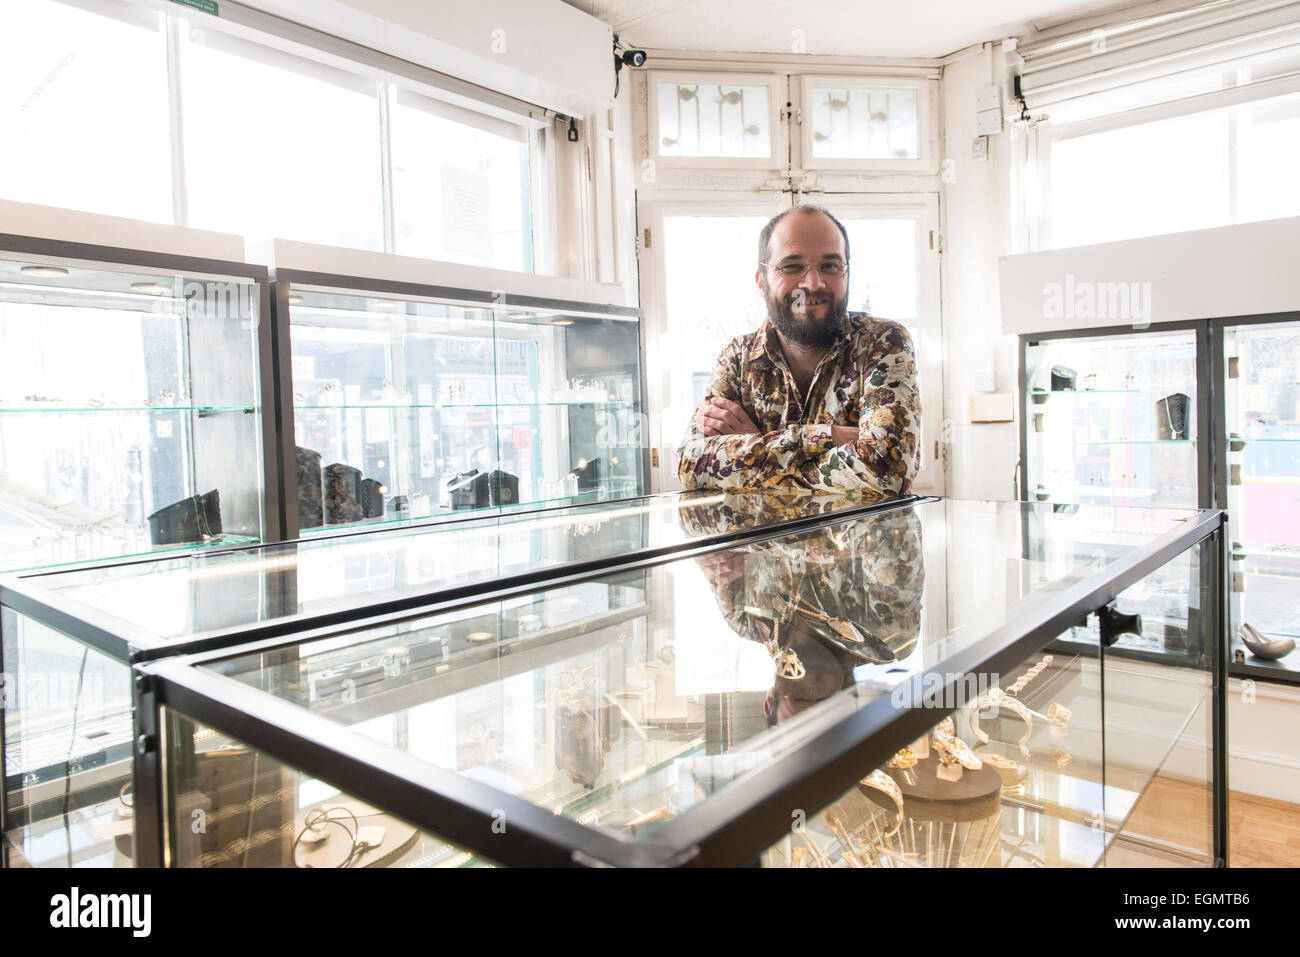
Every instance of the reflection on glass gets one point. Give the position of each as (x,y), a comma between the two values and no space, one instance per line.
(254,811)
(626,700)
(67,737)
(861,123)
(1113,419)
(702,119)
(1262,401)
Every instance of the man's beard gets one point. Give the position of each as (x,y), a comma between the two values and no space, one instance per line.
(804,330)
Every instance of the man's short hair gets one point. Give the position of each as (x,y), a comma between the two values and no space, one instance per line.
(765,237)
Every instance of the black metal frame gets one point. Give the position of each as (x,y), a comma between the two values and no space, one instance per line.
(1212,450)
(728,829)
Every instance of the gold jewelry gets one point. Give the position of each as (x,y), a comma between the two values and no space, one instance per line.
(789,666)
(904,761)
(1059,715)
(953,750)
(1000,699)
(882,782)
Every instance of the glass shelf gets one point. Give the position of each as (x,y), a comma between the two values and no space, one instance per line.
(1034,392)
(473,405)
(613,489)
(218,541)
(11,410)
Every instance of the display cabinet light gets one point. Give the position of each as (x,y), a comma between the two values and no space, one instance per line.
(44,272)
(520,315)
(151,288)
(562,322)
(295,300)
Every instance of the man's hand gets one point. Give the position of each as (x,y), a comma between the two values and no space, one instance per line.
(723,417)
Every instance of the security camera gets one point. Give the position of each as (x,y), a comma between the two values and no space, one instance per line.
(633,57)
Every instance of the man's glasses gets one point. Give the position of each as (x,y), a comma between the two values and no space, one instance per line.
(830,269)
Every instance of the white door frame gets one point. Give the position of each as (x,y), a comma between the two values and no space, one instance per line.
(923,207)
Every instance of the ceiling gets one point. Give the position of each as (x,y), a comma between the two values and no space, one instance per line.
(884,28)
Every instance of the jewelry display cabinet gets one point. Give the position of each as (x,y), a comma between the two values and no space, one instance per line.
(132,390)
(1112,416)
(410,401)
(779,684)
(71,636)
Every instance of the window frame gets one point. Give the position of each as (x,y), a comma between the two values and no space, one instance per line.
(923,88)
(778,153)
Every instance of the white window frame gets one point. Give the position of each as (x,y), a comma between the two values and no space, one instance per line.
(1045,136)
(924,149)
(778,157)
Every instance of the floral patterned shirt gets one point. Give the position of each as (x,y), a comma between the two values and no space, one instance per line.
(867,380)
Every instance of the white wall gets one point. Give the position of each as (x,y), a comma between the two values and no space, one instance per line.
(1240,270)
(978,357)
(541,51)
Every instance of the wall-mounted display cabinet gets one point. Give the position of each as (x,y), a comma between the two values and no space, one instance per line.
(1200,413)
(133,393)
(732,679)
(413,401)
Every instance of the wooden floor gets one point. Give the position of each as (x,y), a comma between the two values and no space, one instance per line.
(1261,832)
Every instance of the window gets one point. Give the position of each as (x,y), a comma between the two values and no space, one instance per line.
(461,188)
(84,107)
(276,145)
(115,108)
(1194,171)
(726,120)
(865,123)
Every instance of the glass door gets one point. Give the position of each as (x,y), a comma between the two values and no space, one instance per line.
(1262,425)
(697,285)
(699,292)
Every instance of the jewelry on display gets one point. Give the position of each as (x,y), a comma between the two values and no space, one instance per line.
(997,698)
(904,761)
(953,750)
(882,782)
(789,666)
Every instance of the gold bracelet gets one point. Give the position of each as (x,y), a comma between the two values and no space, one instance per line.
(882,782)
(1000,699)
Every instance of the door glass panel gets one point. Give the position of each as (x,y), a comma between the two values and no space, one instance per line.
(1262,395)
(713,119)
(709,264)
(1113,419)
(864,123)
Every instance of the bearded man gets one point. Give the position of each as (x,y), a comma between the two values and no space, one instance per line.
(816,398)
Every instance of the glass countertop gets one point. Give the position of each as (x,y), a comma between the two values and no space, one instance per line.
(629,698)
(175,598)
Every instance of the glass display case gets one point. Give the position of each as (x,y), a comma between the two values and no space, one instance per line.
(726,699)
(1256,481)
(71,635)
(1112,416)
(132,387)
(413,401)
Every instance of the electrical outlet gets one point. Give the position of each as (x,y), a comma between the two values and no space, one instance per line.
(979,148)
